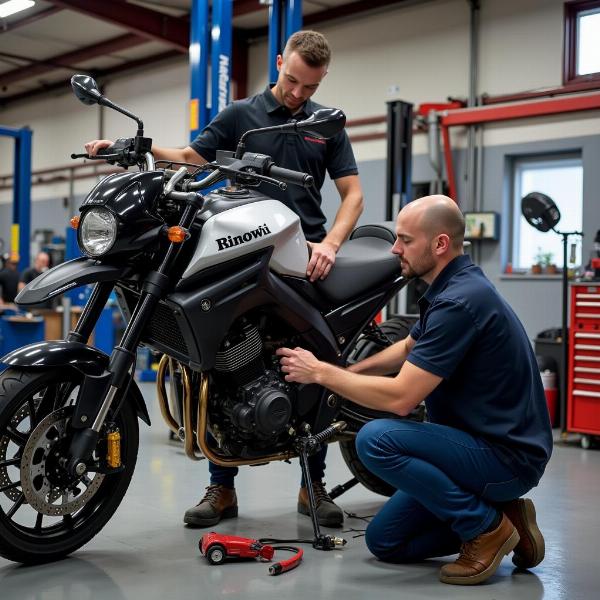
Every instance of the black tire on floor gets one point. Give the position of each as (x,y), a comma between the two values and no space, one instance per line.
(216,554)
(40,393)
(396,329)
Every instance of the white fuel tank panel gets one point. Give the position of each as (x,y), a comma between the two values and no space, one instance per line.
(248,228)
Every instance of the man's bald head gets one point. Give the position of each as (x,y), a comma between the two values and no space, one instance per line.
(438,214)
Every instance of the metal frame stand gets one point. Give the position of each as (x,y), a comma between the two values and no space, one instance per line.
(565,329)
(306,446)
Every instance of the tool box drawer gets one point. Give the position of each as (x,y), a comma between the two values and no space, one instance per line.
(583,397)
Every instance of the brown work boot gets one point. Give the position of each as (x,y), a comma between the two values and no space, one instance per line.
(218,503)
(480,557)
(530,550)
(329,514)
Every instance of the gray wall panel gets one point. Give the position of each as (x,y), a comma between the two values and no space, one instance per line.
(537,302)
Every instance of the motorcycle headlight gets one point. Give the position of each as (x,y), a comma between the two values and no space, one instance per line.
(97,232)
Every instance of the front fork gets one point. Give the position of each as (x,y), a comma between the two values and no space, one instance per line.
(98,393)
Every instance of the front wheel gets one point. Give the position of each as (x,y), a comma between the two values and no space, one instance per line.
(45,514)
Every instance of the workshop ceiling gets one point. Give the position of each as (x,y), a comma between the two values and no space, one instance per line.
(41,47)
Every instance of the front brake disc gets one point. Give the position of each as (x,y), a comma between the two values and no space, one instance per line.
(12,494)
(44,496)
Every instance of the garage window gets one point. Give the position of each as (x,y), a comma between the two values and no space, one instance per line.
(582,45)
(561,178)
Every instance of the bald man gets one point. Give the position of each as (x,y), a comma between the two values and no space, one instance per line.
(459,477)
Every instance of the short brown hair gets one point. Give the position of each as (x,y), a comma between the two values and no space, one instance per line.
(312,46)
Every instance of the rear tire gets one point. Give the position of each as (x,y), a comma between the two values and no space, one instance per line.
(67,514)
(396,329)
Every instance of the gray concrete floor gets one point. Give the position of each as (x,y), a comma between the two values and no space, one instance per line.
(146,552)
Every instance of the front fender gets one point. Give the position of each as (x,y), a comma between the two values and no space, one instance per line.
(76,272)
(62,353)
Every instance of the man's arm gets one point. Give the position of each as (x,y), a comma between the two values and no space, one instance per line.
(398,395)
(387,361)
(323,253)
(182,155)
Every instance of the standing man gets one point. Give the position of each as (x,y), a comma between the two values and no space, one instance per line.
(9,281)
(459,477)
(302,67)
(41,263)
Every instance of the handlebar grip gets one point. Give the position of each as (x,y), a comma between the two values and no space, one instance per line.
(294,177)
(85,155)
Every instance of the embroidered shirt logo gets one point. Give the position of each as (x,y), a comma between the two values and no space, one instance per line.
(231,241)
(314,140)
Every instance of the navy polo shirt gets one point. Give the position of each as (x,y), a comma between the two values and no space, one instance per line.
(300,152)
(469,335)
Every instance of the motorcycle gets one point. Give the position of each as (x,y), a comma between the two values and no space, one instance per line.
(216,282)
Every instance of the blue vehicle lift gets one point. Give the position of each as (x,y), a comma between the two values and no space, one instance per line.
(21,222)
(285,18)
(212,44)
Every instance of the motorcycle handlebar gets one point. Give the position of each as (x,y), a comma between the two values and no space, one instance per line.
(294,177)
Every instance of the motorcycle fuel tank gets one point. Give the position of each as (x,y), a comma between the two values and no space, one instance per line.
(250,227)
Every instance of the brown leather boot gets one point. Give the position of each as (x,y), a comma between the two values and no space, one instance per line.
(218,503)
(329,514)
(480,557)
(530,550)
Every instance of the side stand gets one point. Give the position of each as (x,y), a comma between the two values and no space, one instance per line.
(305,446)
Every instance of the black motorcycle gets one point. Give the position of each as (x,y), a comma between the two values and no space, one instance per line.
(216,283)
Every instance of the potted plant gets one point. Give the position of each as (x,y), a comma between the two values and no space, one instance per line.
(543,262)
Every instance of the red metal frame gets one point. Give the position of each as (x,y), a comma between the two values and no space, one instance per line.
(70,59)
(150,24)
(522,110)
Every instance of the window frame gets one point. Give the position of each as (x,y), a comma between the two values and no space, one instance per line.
(573,8)
(520,162)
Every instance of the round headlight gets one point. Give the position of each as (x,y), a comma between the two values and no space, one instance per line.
(97,231)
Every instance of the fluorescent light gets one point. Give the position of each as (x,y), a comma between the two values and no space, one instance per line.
(14,6)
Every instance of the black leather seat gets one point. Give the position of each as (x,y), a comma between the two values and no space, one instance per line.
(363,262)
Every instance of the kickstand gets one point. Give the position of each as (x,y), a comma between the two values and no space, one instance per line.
(338,490)
(305,446)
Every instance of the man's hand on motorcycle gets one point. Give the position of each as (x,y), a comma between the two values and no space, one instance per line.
(92,147)
(322,259)
(299,365)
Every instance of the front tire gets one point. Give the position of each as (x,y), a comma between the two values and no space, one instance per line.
(60,516)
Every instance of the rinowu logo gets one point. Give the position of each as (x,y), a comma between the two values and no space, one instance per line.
(230,242)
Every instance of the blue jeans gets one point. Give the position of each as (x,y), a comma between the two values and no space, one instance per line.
(225,475)
(447,480)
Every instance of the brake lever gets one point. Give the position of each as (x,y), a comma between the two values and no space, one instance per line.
(243,176)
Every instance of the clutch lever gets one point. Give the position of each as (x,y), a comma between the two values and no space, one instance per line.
(101,157)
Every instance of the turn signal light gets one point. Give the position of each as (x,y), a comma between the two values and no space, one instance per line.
(177,234)
(74,222)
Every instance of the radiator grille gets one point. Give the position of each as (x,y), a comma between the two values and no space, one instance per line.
(162,328)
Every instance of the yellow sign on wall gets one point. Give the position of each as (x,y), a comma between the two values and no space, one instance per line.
(14,242)
(194,114)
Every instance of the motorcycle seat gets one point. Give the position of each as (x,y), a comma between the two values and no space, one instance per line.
(362,263)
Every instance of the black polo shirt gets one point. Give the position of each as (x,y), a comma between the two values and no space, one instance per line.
(469,335)
(300,152)
(9,283)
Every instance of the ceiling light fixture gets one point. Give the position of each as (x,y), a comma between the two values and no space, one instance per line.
(14,6)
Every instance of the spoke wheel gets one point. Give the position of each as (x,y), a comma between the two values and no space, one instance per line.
(45,514)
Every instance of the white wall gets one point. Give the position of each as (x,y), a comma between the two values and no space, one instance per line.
(422,49)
